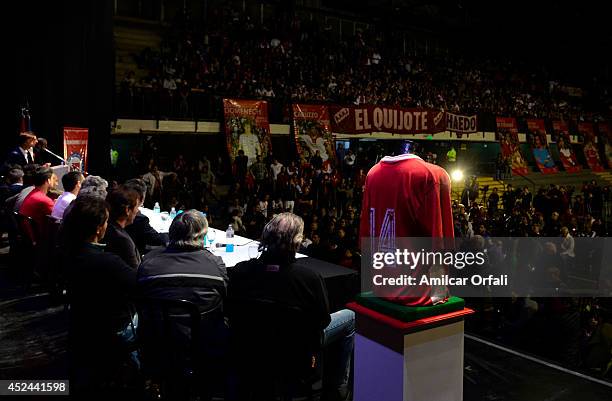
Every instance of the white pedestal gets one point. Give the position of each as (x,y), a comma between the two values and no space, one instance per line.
(408,361)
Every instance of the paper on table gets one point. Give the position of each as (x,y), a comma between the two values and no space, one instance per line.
(241,244)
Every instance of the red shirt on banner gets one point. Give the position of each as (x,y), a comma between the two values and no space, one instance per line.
(406,197)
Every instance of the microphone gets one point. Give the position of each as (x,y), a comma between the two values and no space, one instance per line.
(53,154)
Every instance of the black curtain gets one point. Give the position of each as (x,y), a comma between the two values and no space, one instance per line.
(64,69)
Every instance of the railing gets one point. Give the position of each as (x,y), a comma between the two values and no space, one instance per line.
(199,105)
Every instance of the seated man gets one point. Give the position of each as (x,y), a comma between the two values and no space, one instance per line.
(124,205)
(140,230)
(72,185)
(186,271)
(99,286)
(13,185)
(37,205)
(276,276)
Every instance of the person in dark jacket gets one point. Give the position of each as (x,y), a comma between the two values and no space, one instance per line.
(23,154)
(124,205)
(99,287)
(140,230)
(185,270)
(277,276)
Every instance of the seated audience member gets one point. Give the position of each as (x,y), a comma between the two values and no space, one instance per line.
(72,185)
(16,200)
(95,181)
(254,221)
(140,230)
(123,205)
(275,275)
(237,223)
(92,186)
(99,286)
(186,271)
(37,205)
(13,185)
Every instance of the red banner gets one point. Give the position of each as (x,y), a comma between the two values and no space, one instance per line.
(312,131)
(510,147)
(536,136)
(367,119)
(461,124)
(75,147)
(590,147)
(605,136)
(247,128)
(564,144)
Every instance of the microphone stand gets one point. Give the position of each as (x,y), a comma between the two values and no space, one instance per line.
(53,154)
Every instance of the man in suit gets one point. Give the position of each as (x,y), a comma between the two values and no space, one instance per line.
(23,154)
(41,155)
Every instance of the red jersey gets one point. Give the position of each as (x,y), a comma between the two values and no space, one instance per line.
(406,197)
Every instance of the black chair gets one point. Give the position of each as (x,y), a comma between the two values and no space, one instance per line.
(171,338)
(24,249)
(51,255)
(276,349)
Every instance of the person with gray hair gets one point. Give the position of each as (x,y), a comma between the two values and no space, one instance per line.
(277,275)
(185,270)
(95,181)
(91,191)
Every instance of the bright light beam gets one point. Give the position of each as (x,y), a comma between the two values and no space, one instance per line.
(457,175)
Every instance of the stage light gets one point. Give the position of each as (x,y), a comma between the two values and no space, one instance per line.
(457,175)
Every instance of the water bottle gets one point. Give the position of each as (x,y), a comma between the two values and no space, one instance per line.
(229,239)
(172,213)
(156,208)
(206,236)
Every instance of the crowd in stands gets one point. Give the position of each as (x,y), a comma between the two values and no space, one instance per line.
(564,218)
(295,60)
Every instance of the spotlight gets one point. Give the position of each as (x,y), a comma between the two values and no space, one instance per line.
(457,175)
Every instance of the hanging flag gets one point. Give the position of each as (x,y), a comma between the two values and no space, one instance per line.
(247,128)
(605,136)
(25,124)
(564,145)
(75,148)
(539,146)
(590,147)
(311,129)
(507,130)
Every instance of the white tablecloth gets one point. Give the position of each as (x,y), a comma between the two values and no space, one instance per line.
(161,223)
